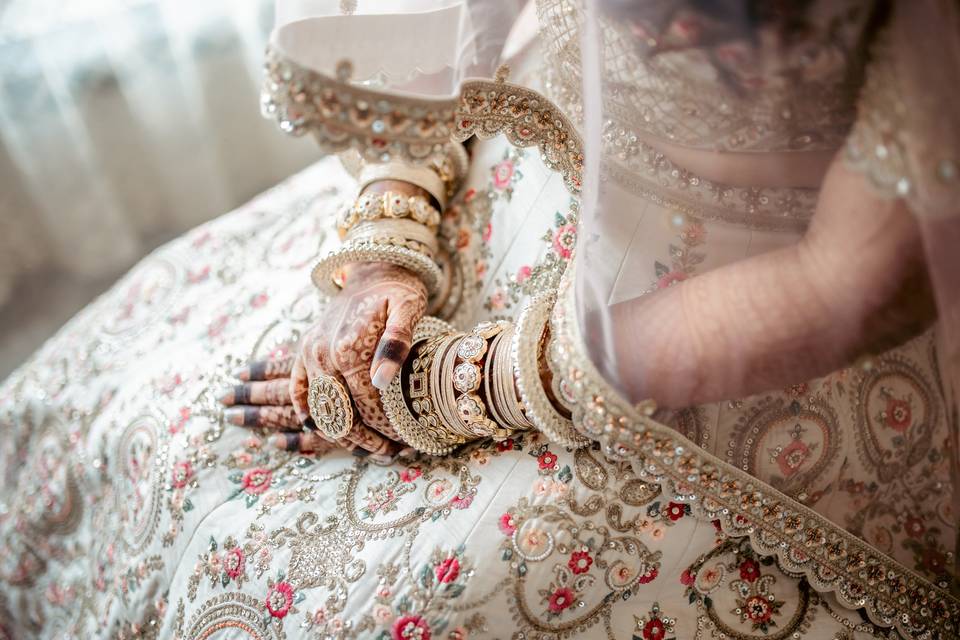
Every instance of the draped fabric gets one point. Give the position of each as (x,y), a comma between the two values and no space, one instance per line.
(123,123)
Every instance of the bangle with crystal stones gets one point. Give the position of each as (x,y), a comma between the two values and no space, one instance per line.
(429,438)
(468,377)
(390,205)
(326,275)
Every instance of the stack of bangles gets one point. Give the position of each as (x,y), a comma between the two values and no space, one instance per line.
(394,227)
(456,387)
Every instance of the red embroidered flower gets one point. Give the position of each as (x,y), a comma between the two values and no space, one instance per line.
(650,575)
(502,173)
(758,609)
(411,627)
(547,460)
(749,570)
(506,524)
(654,629)
(182,472)
(523,273)
(933,561)
(447,570)
(410,474)
(564,240)
(898,414)
(505,445)
(279,599)
(914,527)
(233,562)
(675,511)
(469,195)
(687,578)
(579,562)
(256,481)
(671,279)
(560,599)
(792,457)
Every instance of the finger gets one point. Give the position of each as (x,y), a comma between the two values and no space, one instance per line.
(374,443)
(298,388)
(403,313)
(302,442)
(266,416)
(265,370)
(275,392)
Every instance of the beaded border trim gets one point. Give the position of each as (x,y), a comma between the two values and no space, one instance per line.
(804,541)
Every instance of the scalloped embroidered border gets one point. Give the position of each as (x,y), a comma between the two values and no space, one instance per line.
(804,541)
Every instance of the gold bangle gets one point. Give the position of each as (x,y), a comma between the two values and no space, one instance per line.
(501,390)
(389,205)
(324,272)
(400,233)
(467,378)
(425,438)
(525,351)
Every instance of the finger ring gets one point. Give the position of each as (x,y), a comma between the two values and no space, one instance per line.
(330,407)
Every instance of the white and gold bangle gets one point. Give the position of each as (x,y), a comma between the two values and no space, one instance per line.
(424,177)
(325,272)
(468,377)
(500,387)
(525,349)
(401,233)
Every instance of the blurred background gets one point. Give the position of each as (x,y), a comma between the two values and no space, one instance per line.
(123,123)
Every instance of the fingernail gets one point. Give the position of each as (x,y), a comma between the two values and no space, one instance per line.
(309,424)
(384,374)
(243,373)
(226,396)
(234,416)
(285,441)
(360,453)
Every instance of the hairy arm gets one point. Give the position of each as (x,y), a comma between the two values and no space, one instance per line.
(855,284)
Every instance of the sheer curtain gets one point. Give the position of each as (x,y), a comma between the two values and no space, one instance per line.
(124,122)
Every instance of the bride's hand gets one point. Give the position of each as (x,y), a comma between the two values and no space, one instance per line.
(362,339)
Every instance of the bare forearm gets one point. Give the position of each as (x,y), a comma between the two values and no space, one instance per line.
(856,284)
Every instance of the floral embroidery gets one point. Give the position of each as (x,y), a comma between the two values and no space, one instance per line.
(654,625)
(505,174)
(411,627)
(560,599)
(279,599)
(683,259)
(580,562)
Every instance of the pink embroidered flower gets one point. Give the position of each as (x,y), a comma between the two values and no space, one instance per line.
(487,232)
(693,234)
(234,562)
(481,269)
(687,578)
(506,524)
(469,195)
(217,326)
(654,630)
(523,273)
(279,599)
(411,627)
(564,240)
(649,576)
(898,414)
(792,457)
(410,474)
(182,472)
(259,300)
(463,239)
(502,173)
(758,609)
(671,279)
(382,614)
(675,511)
(579,562)
(709,578)
(749,570)
(505,445)
(533,542)
(547,460)
(498,300)
(560,599)
(914,527)
(256,481)
(463,502)
(447,570)
(458,634)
